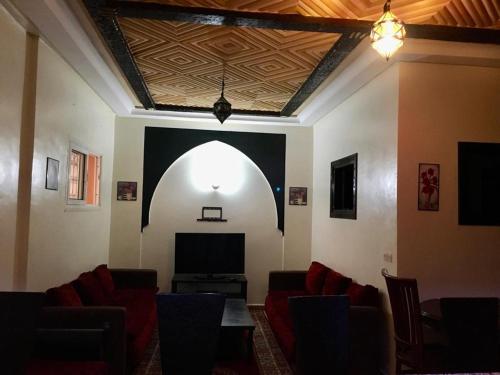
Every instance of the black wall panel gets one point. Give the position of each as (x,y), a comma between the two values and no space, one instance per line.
(162,146)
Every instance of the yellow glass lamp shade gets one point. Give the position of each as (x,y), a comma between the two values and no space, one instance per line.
(387,33)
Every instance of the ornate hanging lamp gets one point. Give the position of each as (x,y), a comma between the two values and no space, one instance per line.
(222,108)
(387,33)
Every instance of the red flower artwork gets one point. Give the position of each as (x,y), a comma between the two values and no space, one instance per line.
(428,187)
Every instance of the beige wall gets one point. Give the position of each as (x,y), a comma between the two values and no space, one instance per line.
(365,123)
(248,206)
(441,105)
(12,45)
(63,241)
(128,166)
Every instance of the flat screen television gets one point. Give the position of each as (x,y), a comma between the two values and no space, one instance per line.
(210,253)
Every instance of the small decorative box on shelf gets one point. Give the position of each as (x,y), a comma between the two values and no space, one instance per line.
(213,214)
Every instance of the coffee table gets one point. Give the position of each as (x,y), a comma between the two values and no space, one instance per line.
(237,318)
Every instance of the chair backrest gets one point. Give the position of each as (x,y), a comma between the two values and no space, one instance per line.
(472,328)
(321,329)
(19,312)
(405,306)
(189,326)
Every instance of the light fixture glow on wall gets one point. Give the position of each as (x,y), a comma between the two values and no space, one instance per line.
(387,33)
(216,166)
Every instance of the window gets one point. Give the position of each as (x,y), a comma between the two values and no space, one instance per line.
(84,177)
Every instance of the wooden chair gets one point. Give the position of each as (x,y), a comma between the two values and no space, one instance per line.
(189,327)
(321,329)
(471,325)
(411,350)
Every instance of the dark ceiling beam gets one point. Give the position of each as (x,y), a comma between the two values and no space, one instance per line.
(110,30)
(181,108)
(222,17)
(453,34)
(340,50)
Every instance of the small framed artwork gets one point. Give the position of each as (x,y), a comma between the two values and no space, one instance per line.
(428,187)
(126,191)
(52,174)
(297,196)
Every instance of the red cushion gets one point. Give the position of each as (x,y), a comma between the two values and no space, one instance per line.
(276,308)
(277,304)
(64,295)
(335,283)
(90,290)
(140,319)
(360,295)
(53,367)
(104,276)
(315,278)
(139,304)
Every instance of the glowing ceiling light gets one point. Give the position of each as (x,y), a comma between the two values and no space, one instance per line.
(387,33)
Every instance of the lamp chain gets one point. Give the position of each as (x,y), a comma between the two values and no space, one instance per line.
(387,6)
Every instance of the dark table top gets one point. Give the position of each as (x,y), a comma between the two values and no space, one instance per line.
(202,278)
(236,314)
(431,309)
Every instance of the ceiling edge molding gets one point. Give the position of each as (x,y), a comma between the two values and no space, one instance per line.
(62,30)
(366,64)
(206,117)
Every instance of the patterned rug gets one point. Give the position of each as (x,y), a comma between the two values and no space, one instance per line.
(268,359)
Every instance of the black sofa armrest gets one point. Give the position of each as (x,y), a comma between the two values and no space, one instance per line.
(124,278)
(365,339)
(81,325)
(287,280)
(71,343)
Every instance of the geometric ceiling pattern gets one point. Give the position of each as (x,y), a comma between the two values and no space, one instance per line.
(463,13)
(182,63)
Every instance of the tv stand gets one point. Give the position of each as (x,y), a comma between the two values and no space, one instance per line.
(232,285)
(211,276)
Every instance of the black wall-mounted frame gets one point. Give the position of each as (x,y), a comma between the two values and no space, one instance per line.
(344,187)
(478,183)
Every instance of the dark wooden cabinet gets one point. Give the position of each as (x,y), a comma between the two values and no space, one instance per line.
(233,286)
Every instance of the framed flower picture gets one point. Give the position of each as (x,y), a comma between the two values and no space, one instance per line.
(428,187)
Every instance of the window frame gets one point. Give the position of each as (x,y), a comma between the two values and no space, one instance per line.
(71,202)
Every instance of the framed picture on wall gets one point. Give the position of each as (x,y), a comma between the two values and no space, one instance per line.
(52,174)
(297,196)
(126,191)
(428,187)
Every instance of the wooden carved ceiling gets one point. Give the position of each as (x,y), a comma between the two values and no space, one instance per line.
(471,13)
(182,63)
(275,52)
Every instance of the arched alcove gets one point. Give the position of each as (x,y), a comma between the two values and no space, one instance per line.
(247,201)
(163,146)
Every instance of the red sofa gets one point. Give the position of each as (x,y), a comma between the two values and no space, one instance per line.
(121,300)
(321,280)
